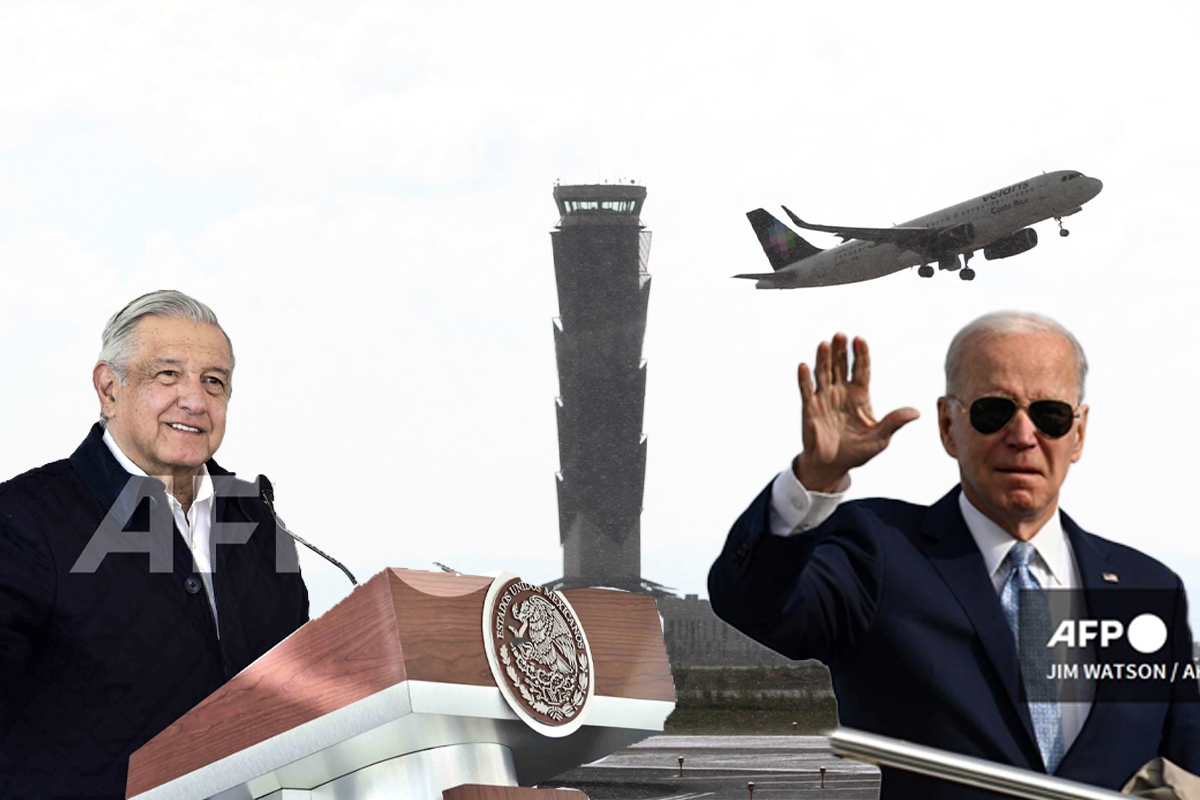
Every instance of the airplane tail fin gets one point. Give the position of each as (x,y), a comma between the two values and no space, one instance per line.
(782,245)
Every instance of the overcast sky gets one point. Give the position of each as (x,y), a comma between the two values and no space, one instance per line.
(363,195)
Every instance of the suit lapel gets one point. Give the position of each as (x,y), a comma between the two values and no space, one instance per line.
(952,551)
(1092,561)
(229,573)
(1091,556)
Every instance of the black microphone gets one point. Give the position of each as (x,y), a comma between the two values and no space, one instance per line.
(267,492)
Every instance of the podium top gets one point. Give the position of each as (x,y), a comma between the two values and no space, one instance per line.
(401,625)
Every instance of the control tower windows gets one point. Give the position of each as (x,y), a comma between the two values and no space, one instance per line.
(599,206)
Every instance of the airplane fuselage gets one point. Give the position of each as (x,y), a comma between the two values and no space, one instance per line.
(994,216)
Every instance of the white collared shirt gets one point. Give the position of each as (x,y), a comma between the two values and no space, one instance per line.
(195,527)
(1054,566)
(795,510)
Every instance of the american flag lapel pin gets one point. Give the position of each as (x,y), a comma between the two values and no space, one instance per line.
(1110,577)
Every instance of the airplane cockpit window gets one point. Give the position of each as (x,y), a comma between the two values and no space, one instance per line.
(1070,176)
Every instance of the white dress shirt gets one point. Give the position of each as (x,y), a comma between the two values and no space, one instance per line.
(195,527)
(795,510)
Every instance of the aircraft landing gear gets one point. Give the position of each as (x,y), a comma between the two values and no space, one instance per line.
(925,271)
(949,263)
(1061,230)
(967,274)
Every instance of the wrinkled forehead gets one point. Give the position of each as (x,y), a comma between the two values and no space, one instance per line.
(1024,366)
(184,341)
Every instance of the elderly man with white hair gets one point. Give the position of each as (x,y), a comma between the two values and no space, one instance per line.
(934,621)
(118,610)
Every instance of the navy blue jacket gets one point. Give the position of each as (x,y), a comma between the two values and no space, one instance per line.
(93,665)
(895,599)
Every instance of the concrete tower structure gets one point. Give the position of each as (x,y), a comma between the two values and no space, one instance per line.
(601,252)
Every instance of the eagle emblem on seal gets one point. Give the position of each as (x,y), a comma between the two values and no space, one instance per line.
(538,653)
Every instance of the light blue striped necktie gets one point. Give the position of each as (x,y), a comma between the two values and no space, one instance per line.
(1022,586)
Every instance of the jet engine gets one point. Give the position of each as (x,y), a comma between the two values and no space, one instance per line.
(956,238)
(1011,245)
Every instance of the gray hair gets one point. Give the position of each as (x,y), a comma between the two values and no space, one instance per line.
(1008,323)
(118,342)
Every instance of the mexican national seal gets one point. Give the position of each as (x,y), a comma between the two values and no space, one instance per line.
(538,653)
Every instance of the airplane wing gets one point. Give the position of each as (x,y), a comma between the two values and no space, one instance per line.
(915,238)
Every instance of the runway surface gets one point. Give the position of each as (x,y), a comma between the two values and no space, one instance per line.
(720,767)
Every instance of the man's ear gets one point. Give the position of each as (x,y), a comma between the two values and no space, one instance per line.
(1080,430)
(946,426)
(104,380)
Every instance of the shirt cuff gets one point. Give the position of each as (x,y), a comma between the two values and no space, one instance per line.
(795,509)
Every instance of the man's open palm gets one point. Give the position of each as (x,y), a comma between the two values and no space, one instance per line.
(838,429)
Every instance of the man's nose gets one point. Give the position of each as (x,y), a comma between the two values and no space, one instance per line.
(1021,432)
(192,396)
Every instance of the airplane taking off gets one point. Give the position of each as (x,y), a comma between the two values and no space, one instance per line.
(997,222)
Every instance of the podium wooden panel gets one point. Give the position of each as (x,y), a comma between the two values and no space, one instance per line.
(405,644)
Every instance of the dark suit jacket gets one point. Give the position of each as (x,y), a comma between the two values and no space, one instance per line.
(896,600)
(92,666)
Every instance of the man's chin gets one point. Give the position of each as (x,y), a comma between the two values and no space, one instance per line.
(1022,502)
(187,462)
(1019,488)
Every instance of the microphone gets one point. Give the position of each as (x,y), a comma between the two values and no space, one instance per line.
(267,493)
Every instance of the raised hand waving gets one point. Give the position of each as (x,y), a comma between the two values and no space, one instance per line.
(838,429)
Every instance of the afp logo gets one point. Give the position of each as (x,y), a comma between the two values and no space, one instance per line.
(1146,633)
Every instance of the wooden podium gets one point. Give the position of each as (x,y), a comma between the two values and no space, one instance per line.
(396,692)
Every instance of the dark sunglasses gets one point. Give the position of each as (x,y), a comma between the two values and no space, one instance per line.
(1053,418)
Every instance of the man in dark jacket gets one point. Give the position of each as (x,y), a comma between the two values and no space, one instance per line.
(118,612)
(918,611)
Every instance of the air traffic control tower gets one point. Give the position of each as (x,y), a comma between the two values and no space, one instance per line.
(600,256)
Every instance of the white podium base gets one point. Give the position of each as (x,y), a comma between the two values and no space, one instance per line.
(406,721)
(423,775)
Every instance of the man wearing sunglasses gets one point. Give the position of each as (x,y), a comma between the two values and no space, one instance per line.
(914,609)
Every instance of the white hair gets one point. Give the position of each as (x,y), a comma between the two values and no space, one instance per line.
(1008,323)
(118,342)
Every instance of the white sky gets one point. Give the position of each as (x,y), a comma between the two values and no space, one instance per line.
(363,194)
